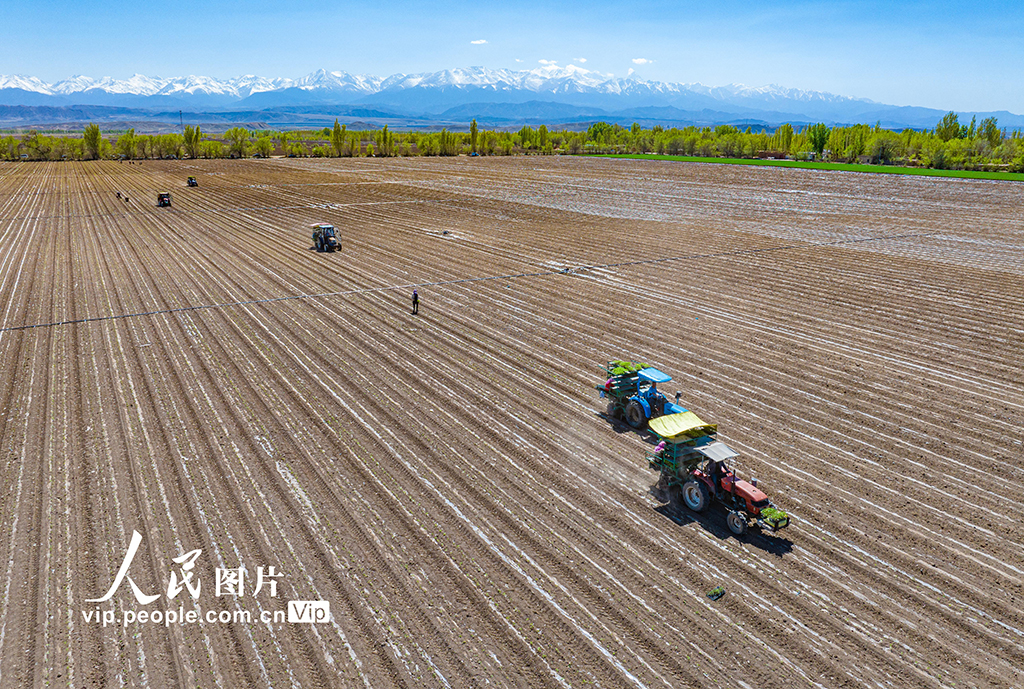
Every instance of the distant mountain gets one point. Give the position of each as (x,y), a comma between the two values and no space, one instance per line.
(544,112)
(18,96)
(502,97)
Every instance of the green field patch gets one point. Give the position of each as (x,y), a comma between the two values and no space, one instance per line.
(844,167)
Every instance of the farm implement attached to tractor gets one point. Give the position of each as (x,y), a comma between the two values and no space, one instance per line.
(633,395)
(689,455)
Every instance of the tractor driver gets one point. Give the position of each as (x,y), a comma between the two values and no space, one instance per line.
(655,398)
(717,470)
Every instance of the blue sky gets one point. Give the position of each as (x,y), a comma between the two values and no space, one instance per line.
(940,54)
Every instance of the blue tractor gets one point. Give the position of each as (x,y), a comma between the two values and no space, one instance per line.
(633,394)
(324,237)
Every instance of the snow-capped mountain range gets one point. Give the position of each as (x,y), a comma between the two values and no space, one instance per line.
(560,93)
(548,80)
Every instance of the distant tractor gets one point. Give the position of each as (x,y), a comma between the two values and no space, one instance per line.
(163,199)
(324,237)
(192,182)
(632,392)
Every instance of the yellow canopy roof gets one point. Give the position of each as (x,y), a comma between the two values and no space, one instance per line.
(681,426)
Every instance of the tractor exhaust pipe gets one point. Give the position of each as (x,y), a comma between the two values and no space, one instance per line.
(678,395)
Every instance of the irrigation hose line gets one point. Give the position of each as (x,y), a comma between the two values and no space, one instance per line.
(513,276)
(325,206)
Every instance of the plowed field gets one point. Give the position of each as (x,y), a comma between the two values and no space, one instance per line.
(448,482)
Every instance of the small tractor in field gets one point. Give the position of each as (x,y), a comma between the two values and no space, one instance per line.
(163,200)
(633,395)
(324,237)
(690,457)
(192,182)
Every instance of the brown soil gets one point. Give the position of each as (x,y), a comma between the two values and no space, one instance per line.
(447,482)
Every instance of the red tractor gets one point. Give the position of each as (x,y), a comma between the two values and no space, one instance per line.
(690,457)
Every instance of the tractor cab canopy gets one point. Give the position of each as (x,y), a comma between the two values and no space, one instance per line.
(717,451)
(327,230)
(645,378)
(653,375)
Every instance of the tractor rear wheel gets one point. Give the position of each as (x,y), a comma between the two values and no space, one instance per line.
(696,495)
(737,522)
(635,415)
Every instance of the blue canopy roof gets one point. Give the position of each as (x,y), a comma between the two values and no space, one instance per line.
(653,375)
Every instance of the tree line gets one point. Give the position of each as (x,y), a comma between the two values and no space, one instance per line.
(950,145)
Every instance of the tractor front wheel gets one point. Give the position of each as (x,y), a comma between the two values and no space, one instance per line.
(696,495)
(737,522)
(635,415)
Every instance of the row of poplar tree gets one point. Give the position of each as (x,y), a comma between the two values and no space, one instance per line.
(950,145)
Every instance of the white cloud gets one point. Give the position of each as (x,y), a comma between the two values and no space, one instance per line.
(581,60)
(641,61)
(629,72)
(480,42)
(548,62)
(518,60)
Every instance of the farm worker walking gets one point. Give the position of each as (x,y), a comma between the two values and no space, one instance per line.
(415,302)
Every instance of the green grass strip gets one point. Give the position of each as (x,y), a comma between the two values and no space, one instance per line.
(845,167)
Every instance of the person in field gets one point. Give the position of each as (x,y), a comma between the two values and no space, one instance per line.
(415,302)
(656,399)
